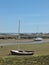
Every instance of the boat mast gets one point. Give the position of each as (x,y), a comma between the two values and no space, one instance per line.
(18,34)
(19,30)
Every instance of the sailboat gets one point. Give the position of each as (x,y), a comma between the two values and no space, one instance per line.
(21,52)
(38,39)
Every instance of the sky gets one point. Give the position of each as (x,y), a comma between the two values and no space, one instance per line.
(32,14)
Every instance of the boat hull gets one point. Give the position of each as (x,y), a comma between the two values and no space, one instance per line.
(22,53)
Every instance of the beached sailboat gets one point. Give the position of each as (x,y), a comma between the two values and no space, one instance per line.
(21,52)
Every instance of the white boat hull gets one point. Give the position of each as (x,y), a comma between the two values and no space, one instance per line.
(15,52)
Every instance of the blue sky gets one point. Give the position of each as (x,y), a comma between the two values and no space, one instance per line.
(33,16)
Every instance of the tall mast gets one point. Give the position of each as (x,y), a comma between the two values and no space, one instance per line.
(18,34)
(19,30)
